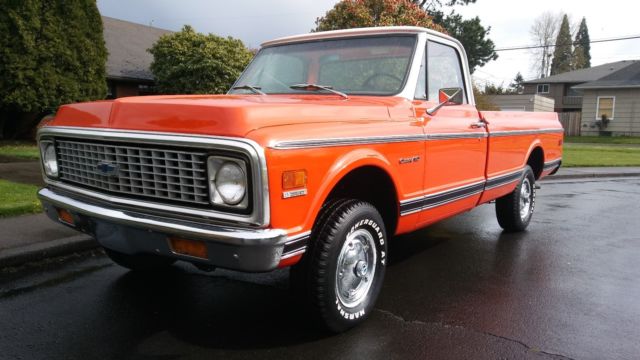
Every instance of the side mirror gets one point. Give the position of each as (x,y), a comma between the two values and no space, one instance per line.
(447,97)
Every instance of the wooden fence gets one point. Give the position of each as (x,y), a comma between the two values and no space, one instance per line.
(570,122)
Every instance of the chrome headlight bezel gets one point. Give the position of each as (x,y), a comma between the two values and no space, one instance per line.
(49,159)
(214,164)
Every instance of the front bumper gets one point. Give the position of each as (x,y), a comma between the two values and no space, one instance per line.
(130,232)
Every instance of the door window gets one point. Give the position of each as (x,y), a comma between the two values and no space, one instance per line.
(443,69)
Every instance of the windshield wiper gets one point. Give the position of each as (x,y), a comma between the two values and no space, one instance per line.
(255,89)
(318,87)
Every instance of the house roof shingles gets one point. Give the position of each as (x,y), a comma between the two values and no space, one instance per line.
(627,77)
(127,44)
(585,75)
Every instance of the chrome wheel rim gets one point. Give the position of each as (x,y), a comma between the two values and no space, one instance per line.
(526,191)
(356,268)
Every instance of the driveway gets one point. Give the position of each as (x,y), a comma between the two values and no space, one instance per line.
(462,289)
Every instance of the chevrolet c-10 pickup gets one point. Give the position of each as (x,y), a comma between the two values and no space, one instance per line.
(327,146)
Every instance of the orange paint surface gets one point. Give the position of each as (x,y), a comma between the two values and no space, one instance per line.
(440,161)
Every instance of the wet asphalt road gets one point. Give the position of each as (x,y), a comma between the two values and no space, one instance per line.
(569,287)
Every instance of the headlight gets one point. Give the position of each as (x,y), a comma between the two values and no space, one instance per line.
(49,161)
(228,182)
(231,183)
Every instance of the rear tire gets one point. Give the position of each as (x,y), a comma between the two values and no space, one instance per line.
(514,211)
(342,272)
(139,262)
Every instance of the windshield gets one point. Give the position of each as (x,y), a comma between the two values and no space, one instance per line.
(359,66)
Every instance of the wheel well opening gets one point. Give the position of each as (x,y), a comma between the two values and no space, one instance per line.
(536,161)
(373,185)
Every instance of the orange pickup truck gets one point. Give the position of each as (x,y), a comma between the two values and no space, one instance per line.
(326,147)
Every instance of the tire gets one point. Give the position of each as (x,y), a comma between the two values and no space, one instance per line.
(139,262)
(344,268)
(514,211)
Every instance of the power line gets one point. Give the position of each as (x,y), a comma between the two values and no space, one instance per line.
(553,45)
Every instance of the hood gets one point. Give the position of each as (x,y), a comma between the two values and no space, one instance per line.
(222,115)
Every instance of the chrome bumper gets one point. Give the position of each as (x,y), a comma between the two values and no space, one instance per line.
(129,232)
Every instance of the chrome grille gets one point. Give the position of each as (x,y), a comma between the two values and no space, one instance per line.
(165,174)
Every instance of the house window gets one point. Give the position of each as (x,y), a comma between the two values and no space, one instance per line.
(543,88)
(606,105)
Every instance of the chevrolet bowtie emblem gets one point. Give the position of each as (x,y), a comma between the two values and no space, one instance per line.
(107,169)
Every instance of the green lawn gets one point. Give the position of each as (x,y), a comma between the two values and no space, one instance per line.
(600,155)
(603,139)
(17,199)
(22,150)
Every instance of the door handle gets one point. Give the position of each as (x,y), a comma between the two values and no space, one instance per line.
(478,125)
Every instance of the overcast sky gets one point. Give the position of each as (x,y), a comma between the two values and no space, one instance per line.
(255,21)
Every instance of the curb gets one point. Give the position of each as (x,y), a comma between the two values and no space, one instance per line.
(591,176)
(45,250)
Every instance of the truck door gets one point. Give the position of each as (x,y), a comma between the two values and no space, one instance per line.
(456,146)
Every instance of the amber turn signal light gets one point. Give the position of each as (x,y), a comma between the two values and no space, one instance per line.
(65,217)
(189,247)
(294,179)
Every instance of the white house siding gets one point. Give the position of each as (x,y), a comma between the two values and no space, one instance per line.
(626,112)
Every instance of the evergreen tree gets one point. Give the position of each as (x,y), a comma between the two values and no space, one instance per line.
(582,47)
(516,86)
(562,56)
(51,53)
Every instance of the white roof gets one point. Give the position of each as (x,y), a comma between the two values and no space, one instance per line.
(357,32)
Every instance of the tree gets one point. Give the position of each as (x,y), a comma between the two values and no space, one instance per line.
(473,36)
(188,62)
(543,33)
(51,53)
(365,13)
(516,86)
(562,55)
(425,13)
(430,5)
(470,32)
(483,103)
(493,89)
(582,47)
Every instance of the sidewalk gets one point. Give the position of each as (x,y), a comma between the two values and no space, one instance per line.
(31,238)
(594,172)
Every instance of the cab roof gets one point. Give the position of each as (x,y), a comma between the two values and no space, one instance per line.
(357,32)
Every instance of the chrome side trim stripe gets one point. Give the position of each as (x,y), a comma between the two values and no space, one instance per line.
(552,164)
(451,136)
(524,132)
(441,198)
(502,180)
(411,206)
(315,143)
(295,244)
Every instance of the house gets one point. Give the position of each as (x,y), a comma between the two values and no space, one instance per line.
(128,62)
(616,98)
(561,87)
(532,102)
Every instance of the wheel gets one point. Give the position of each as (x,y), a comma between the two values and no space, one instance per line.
(344,268)
(514,211)
(139,262)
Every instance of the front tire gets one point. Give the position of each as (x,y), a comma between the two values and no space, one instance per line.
(344,268)
(139,262)
(514,211)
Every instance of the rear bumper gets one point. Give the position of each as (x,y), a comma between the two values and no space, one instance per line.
(130,232)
